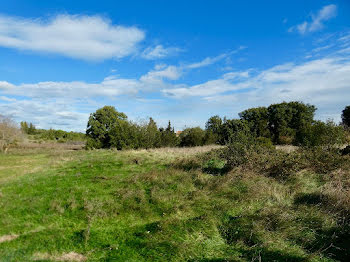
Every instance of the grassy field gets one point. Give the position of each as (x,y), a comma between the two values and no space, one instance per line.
(161,205)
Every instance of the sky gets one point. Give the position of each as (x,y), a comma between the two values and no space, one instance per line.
(183,61)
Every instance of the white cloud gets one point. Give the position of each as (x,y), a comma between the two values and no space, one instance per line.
(110,86)
(212,60)
(47,114)
(317,21)
(76,36)
(158,52)
(156,76)
(324,81)
(207,61)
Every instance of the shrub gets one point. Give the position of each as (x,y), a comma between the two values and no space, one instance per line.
(323,134)
(238,148)
(264,142)
(323,160)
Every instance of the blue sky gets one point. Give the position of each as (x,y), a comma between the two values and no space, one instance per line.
(182,61)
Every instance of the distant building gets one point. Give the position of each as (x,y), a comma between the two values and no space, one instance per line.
(178,133)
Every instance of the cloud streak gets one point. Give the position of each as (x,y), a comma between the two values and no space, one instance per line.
(317,20)
(159,52)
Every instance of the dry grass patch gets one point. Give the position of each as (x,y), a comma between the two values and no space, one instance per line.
(6,238)
(71,256)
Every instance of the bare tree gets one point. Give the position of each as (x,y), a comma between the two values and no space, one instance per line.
(10,134)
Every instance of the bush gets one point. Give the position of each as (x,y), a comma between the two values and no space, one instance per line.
(323,134)
(324,160)
(239,146)
(264,142)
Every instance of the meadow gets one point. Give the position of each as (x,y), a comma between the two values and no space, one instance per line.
(173,204)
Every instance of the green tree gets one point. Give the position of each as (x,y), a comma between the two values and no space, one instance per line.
(100,125)
(168,136)
(287,121)
(230,128)
(346,116)
(257,119)
(152,135)
(192,137)
(213,128)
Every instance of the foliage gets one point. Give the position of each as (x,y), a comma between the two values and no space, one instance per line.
(100,125)
(346,116)
(230,128)
(108,128)
(192,137)
(58,135)
(289,120)
(213,129)
(28,128)
(168,136)
(257,119)
(323,134)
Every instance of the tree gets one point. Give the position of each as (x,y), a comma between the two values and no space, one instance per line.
(192,137)
(168,136)
(346,116)
(10,134)
(100,125)
(257,119)
(214,124)
(230,128)
(213,128)
(151,135)
(28,128)
(287,121)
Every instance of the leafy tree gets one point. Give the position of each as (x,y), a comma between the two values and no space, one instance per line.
(214,124)
(192,137)
(257,119)
(150,135)
(346,116)
(230,128)
(100,125)
(213,129)
(287,121)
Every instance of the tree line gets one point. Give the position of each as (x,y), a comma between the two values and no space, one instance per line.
(59,136)
(282,123)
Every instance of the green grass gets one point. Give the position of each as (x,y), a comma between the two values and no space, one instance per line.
(138,206)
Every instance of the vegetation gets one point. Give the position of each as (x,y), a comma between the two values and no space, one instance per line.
(108,128)
(59,136)
(9,133)
(346,116)
(175,205)
(284,123)
(243,200)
